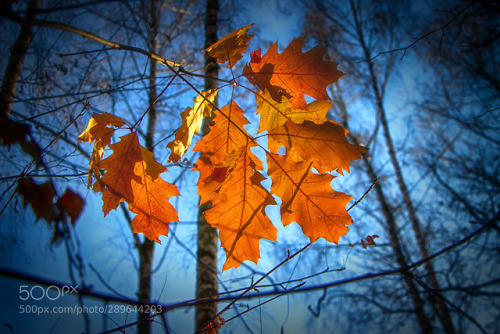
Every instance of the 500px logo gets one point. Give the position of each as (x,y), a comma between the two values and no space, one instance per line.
(38,292)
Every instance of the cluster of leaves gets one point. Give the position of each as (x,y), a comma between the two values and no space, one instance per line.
(369,241)
(132,175)
(43,198)
(215,325)
(303,149)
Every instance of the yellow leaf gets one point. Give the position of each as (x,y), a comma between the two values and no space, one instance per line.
(273,114)
(192,119)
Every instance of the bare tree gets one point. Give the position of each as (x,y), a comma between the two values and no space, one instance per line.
(206,271)
(366,39)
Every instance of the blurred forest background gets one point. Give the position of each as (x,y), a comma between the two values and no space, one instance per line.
(421,90)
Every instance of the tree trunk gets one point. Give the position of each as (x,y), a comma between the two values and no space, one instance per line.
(206,271)
(392,229)
(16,58)
(435,297)
(146,249)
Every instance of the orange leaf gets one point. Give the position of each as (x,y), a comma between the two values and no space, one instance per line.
(231,47)
(370,240)
(72,203)
(273,114)
(99,129)
(226,135)
(151,204)
(133,175)
(308,199)
(208,185)
(325,144)
(192,119)
(293,74)
(119,174)
(238,211)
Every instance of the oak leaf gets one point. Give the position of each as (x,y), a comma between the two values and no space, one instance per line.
(238,212)
(293,74)
(72,204)
(116,184)
(100,130)
(151,195)
(45,203)
(324,144)
(226,135)
(209,181)
(308,199)
(39,197)
(230,48)
(192,119)
(133,175)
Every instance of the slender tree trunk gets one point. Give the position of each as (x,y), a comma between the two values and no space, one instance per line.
(146,248)
(392,229)
(435,297)
(16,58)
(206,272)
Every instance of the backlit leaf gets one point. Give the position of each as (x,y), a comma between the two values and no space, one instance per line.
(192,119)
(230,48)
(324,144)
(273,114)
(293,74)
(308,199)
(238,212)
(151,204)
(226,135)
(99,131)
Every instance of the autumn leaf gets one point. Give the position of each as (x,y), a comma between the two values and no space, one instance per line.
(192,119)
(230,48)
(238,212)
(255,56)
(39,197)
(226,135)
(370,241)
(209,181)
(151,195)
(308,199)
(293,74)
(273,114)
(120,171)
(100,130)
(133,175)
(72,204)
(43,200)
(324,144)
